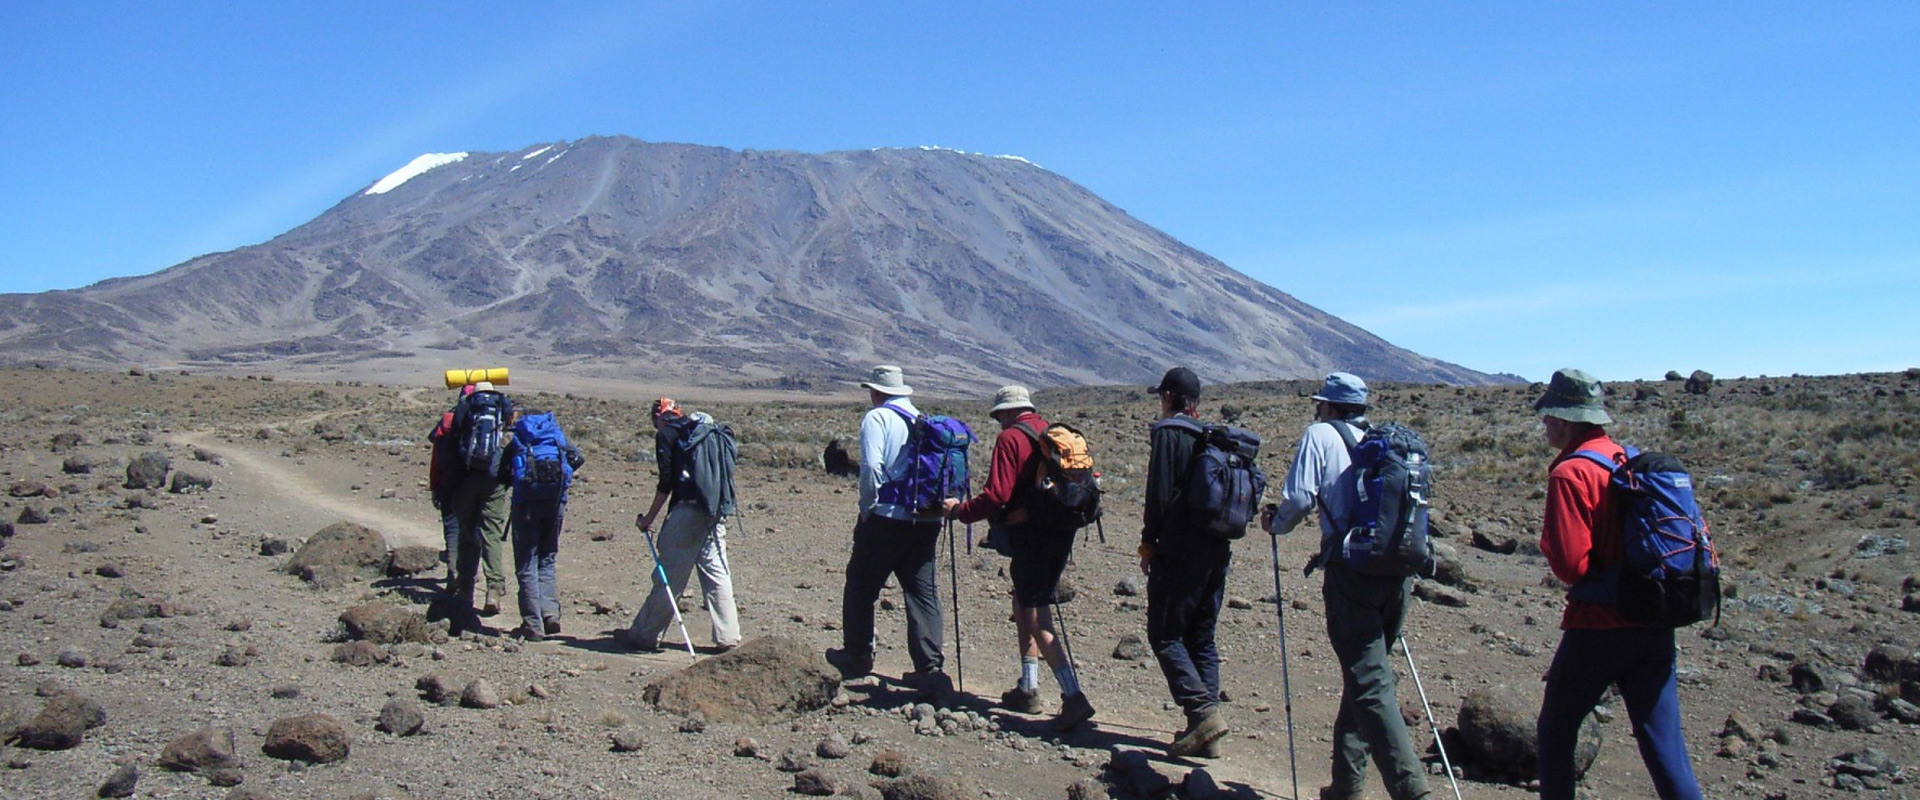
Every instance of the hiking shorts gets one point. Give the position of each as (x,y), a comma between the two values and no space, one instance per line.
(1039,557)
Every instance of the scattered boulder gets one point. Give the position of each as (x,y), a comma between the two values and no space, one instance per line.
(1448,569)
(1853,712)
(313,738)
(33,514)
(833,747)
(1866,768)
(27,487)
(1699,382)
(888,764)
(204,750)
(1130,648)
(412,559)
(627,740)
(386,623)
(62,723)
(837,461)
(78,465)
(480,694)
(401,716)
(1127,587)
(765,680)
(815,784)
(274,546)
(1496,730)
(1811,678)
(437,689)
(120,782)
(1144,777)
(343,546)
(185,482)
(1674,375)
(1439,595)
(359,653)
(65,441)
(1495,541)
(148,471)
(1890,663)
(924,787)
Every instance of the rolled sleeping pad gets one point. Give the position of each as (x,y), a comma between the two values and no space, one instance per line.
(457,378)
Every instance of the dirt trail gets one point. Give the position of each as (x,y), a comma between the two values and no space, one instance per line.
(271,478)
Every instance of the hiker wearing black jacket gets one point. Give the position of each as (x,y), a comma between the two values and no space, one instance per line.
(1364,612)
(1186,570)
(694,538)
(479,500)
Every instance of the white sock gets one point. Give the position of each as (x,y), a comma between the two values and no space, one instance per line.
(1029,674)
(1069,682)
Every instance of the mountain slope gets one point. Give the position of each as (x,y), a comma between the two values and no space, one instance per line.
(616,257)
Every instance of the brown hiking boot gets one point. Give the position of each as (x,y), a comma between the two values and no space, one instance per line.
(1074,709)
(1330,793)
(1207,730)
(1021,701)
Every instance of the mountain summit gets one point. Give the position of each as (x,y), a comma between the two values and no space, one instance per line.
(613,257)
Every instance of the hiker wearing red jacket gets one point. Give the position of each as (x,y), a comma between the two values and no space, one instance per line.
(1581,535)
(1039,555)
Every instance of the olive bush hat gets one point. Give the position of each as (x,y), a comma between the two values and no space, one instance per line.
(1574,396)
(1344,388)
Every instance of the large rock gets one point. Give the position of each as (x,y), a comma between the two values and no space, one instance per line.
(341,546)
(62,724)
(412,559)
(1448,569)
(764,680)
(148,471)
(313,738)
(924,787)
(386,623)
(204,750)
(1496,729)
(1891,663)
(1699,382)
(185,481)
(402,716)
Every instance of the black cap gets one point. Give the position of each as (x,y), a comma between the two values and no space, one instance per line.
(1180,381)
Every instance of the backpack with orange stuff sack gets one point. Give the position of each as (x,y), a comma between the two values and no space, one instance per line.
(1067,491)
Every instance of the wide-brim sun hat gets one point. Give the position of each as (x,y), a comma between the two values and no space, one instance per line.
(888,379)
(1574,396)
(1344,388)
(1012,397)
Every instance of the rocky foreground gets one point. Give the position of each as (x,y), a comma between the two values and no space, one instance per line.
(215,587)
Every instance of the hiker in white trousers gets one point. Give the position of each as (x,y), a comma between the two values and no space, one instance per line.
(692,539)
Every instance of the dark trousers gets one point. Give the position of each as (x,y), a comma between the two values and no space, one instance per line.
(481,505)
(1364,616)
(536,556)
(905,550)
(1641,661)
(1184,589)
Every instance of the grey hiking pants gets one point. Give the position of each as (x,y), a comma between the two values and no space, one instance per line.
(906,550)
(689,541)
(1364,615)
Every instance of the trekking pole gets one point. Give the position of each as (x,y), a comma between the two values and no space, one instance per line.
(1286,679)
(1066,641)
(1437,744)
(953,572)
(673,603)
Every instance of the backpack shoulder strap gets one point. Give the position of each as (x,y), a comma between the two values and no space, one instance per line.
(904,414)
(1345,429)
(1597,458)
(1029,431)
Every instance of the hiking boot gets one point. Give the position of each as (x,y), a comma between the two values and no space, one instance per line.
(1331,793)
(493,603)
(1074,709)
(636,642)
(1204,731)
(525,633)
(1021,701)
(851,664)
(466,623)
(551,627)
(1212,750)
(933,685)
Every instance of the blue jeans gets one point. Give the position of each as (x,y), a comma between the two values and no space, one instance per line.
(1184,590)
(905,550)
(536,549)
(1641,661)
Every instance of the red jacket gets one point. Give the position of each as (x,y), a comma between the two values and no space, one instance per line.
(1581,530)
(1015,461)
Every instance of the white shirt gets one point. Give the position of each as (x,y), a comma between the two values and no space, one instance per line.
(1316,479)
(883,433)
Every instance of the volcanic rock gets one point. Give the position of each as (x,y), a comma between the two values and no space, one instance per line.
(148,471)
(62,723)
(313,738)
(1496,728)
(401,716)
(341,545)
(386,623)
(209,748)
(764,680)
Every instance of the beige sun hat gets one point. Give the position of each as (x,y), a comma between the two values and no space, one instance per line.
(1011,397)
(888,379)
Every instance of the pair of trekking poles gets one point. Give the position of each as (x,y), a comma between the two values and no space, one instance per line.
(1286,685)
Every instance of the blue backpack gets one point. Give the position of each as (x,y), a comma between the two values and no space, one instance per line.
(541,467)
(1223,485)
(1671,575)
(1387,533)
(936,463)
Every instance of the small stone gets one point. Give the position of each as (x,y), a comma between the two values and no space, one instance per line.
(888,764)
(71,658)
(402,716)
(746,747)
(627,740)
(832,747)
(120,782)
(285,691)
(28,660)
(209,748)
(813,783)
(310,738)
(437,688)
(794,761)
(1127,587)
(1239,603)
(480,694)
(1130,648)
(359,653)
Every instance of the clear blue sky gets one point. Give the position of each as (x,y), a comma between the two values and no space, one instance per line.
(1514,187)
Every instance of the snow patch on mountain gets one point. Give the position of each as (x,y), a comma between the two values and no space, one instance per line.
(412,170)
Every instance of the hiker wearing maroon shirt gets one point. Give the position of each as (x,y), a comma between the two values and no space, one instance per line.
(1579,536)
(1039,555)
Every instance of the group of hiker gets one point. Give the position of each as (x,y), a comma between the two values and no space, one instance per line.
(1367,486)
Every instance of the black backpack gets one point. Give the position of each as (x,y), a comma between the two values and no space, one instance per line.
(483,431)
(1223,486)
(1066,492)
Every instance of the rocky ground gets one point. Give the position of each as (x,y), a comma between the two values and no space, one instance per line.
(155,642)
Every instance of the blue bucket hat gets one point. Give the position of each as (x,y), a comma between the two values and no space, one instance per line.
(1344,388)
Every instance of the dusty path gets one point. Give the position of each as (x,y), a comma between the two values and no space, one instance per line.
(266,476)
